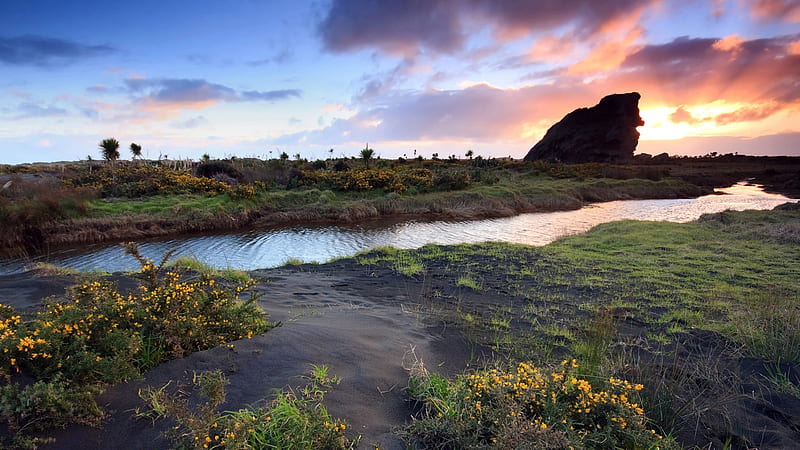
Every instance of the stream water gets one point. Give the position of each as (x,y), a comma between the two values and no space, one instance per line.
(263,248)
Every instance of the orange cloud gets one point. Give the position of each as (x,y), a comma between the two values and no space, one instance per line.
(608,55)
(732,43)
(784,10)
(793,48)
(551,48)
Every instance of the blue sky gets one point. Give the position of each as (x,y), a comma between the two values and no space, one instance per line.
(256,78)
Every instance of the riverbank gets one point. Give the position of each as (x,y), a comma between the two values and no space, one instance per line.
(47,206)
(317,208)
(703,314)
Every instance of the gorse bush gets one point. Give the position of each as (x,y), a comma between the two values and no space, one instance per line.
(365,179)
(100,335)
(144,180)
(295,419)
(525,407)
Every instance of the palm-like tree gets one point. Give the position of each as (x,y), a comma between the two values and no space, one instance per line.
(136,150)
(110,149)
(366,155)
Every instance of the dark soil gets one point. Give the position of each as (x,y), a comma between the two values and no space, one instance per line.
(367,323)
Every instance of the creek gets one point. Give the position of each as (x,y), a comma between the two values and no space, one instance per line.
(263,248)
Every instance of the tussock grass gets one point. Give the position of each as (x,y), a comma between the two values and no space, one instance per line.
(296,419)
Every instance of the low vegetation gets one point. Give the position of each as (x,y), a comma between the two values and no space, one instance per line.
(99,335)
(676,307)
(522,406)
(295,419)
(88,202)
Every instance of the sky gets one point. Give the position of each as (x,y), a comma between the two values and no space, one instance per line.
(323,78)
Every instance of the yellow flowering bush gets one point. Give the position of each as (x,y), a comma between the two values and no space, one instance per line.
(364,179)
(524,406)
(100,335)
(138,181)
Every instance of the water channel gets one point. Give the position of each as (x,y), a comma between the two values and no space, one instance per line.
(264,248)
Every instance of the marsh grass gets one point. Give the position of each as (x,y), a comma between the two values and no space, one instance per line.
(681,392)
(47,269)
(296,419)
(634,299)
(227,274)
(768,325)
(469,281)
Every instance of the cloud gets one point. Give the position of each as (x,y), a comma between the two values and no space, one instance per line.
(32,50)
(732,43)
(410,27)
(29,110)
(269,96)
(194,122)
(608,55)
(681,115)
(394,27)
(776,10)
(281,57)
(747,114)
(696,71)
(384,82)
(479,112)
(97,89)
(755,81)
(173,93)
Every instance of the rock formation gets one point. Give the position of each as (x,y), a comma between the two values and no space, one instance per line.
(605,132)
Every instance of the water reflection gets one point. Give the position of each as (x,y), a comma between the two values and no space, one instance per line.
(270,248)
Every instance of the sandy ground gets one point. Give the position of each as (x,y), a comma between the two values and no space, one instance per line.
(357,328)
(362,323)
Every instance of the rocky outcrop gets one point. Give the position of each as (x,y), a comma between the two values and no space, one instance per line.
(605,132)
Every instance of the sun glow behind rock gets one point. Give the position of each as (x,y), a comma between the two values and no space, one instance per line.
(658,126)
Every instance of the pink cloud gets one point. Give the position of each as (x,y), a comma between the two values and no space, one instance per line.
(415,26)
(777,10)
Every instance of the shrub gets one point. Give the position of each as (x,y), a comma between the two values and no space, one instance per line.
(524,407)
(138,181)
(452,180)
(99,335)
(209,169)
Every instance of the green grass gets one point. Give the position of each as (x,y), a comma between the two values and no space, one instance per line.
(296,419)
(732,277)
(159,205)
(228,274)
(728,273)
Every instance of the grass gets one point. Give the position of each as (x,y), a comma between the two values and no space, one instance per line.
(721,288)
(296,419)
(228,274)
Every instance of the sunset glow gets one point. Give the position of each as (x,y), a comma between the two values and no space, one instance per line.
(260,78)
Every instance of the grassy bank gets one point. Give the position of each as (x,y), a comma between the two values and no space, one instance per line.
(84,203)
(705,315)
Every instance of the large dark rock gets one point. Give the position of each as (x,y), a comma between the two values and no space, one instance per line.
(605,132)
